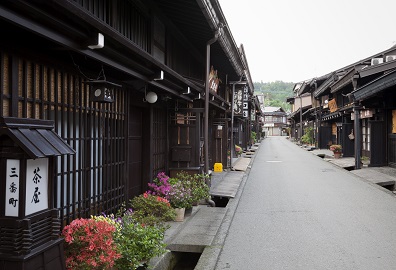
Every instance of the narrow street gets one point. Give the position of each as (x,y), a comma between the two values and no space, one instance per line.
(297,211)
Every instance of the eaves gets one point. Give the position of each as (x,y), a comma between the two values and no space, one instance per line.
(372,88)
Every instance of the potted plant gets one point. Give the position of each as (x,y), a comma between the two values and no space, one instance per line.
(180,198)
(238,150)
(199,188)
(337,150)
(197,183)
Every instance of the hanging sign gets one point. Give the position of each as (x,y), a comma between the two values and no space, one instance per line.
(213,80)
(238,102)
(245,101)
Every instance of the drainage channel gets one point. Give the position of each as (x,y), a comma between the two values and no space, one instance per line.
(185,260)
(220,201)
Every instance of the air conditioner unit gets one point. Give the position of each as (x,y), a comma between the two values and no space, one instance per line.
(376,61)
(390,58)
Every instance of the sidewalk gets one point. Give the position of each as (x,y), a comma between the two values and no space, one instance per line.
(383,176)
(205,229)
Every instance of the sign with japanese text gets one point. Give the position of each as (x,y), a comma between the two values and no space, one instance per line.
(363,114)
(12,188)
(245,101)
(333,105)
(36,185)
(238,102)
(213,80)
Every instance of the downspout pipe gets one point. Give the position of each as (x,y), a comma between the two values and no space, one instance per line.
(357,109)
(357,130)
(206,119)
(232,147)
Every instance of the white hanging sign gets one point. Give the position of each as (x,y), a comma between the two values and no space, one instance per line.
(12,188)
(36,185)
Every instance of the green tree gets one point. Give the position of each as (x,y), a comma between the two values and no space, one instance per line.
(275,93)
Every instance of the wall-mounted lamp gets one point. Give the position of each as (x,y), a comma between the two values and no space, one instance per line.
(188,91)
(100,43)
(150,97)
(158,76)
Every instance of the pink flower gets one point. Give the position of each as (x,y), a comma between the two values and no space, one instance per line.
(93,239)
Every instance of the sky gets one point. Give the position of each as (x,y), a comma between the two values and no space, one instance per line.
(296,40)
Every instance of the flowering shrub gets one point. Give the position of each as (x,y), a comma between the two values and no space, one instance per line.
(152,209)
(90,244)
(179,196)
(196,183)
(238,150)
(137,242)
(336,148)
(160,186)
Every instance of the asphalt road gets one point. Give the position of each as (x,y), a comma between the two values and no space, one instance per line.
(297,211)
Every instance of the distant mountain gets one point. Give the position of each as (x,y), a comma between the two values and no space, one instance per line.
(275,93)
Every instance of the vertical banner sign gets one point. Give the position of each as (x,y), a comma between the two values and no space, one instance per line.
(245,102)
(36,185)
(238,102)
(12,188)
(213,80)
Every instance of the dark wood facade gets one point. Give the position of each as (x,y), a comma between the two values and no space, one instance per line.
(358,100)
(121,145)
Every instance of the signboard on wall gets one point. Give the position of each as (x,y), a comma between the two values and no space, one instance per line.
(363,114)
(245,101)
(238,101)
(12,188)
(36,185)
(393,121)
(333,105)
(213,80)
(334,129)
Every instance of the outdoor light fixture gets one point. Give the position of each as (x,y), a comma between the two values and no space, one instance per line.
(102,90)
(188,91)
(159,76)
(199,96)
(100,44)
(151,97)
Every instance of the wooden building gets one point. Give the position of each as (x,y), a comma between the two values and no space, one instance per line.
(353,106)
(125,84)
(274,121)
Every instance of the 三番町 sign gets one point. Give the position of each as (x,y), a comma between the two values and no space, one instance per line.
(36,195)
(12,188)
